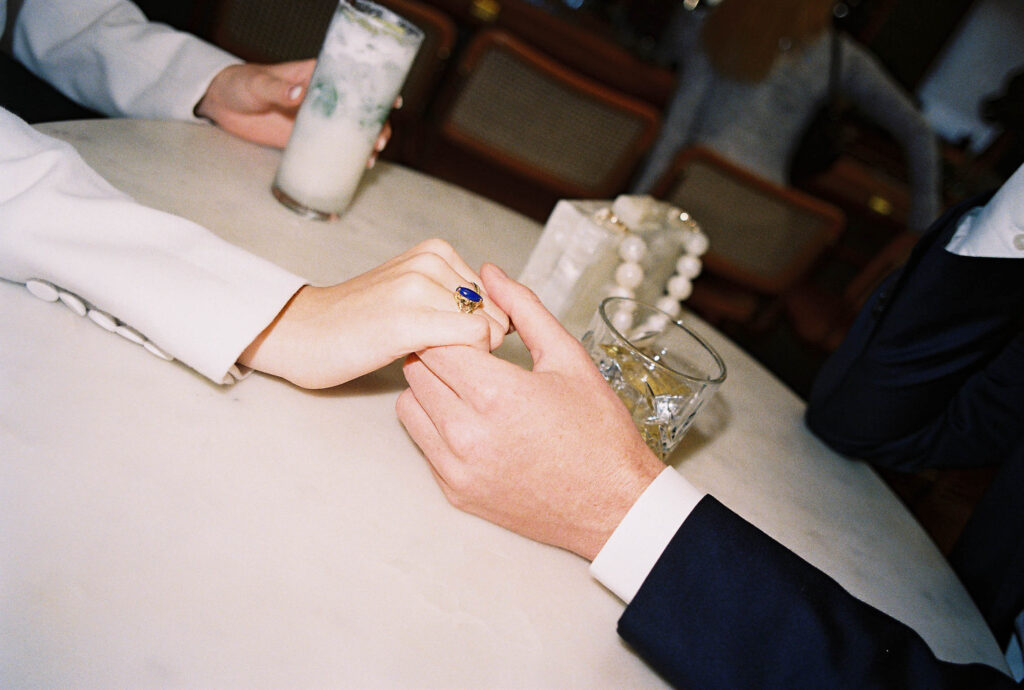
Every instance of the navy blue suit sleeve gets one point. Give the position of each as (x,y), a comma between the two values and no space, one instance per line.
(932,372)
(728,607)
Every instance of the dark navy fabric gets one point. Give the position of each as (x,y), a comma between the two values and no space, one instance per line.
(726,606)
(989,555)
(932,375)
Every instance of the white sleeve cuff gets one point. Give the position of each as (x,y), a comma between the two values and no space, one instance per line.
(995,230)
(639,540)
(192,295)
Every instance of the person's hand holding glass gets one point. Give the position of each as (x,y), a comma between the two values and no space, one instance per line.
(366,54)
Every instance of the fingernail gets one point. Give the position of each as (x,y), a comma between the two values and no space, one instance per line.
(379,146)
(295,92)
(372,162)
(398,103)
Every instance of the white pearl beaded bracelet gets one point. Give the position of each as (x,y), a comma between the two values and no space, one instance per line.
(629,275)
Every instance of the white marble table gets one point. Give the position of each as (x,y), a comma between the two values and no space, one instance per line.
(157,530)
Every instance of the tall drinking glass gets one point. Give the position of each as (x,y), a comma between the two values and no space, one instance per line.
(365,58)
(663,371)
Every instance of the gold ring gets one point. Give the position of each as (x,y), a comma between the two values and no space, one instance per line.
(468,299)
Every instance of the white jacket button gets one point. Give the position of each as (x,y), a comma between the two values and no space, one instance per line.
(73,302)
(131,334)
(103,320)
(157,351)
(42,290)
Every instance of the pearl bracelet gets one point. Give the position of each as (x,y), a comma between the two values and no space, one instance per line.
(632,249)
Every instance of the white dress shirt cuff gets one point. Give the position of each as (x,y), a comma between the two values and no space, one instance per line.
(639,540)
(995,230)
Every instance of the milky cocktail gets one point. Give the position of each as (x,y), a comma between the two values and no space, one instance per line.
(365,57)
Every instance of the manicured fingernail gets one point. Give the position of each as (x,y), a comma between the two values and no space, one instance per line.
(379,146)
(295,92)
(372,162)
(398,103)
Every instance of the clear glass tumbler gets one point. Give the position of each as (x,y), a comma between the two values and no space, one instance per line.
(663,371)
(365,58)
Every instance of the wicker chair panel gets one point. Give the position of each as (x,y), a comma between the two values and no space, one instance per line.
(534,118)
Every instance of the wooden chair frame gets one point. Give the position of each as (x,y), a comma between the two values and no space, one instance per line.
(577,47)
(496,39)
(833,222)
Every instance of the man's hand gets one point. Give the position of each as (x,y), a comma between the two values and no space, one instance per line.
(326,336)
(550,453)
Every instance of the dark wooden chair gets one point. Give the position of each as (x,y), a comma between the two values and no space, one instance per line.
(822,318)
(580,45)
(269,31)
(519,126)
(764,237)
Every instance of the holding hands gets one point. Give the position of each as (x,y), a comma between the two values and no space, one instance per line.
(328,335)
(551,454)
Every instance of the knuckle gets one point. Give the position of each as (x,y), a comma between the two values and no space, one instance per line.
(457,498)
(466,441)
(436,246)
(490,398)
(426,263)
(460,483)
(411,286)
(479,329)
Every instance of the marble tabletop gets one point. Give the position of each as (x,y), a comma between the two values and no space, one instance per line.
(158,530)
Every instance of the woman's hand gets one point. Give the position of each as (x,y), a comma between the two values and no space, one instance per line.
(326,336)
(259,102)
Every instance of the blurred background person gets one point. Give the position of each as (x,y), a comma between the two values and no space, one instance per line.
(752,76)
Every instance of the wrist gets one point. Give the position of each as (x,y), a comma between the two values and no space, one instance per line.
(637,543)
(270,349)
(208,105)
(617,502)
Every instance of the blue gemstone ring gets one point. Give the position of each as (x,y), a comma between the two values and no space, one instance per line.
(468,299)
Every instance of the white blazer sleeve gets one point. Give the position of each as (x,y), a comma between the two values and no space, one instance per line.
(195,296)
(107,56)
